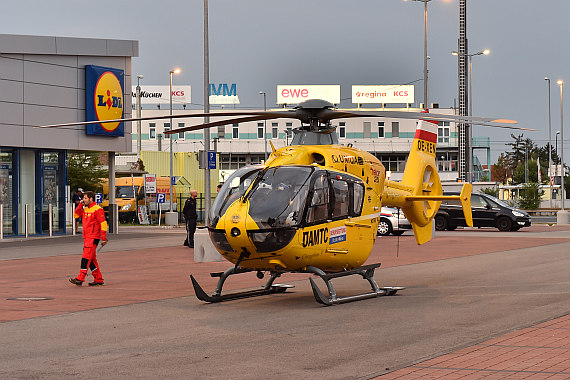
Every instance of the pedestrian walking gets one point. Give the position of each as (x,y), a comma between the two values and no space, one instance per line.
(191,217)
(94,231)
(76,199)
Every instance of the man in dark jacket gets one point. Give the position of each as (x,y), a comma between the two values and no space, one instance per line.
(191,216)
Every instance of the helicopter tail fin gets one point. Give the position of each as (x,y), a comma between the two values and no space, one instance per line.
(420,193)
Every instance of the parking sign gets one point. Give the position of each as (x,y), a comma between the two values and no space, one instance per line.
(211,159)
(98,198)
(161,198)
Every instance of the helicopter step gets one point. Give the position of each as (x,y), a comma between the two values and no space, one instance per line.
(366,271)
(217,296)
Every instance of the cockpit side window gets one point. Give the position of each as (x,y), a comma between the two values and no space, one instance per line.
(231,191)
(341,199)
(318,210)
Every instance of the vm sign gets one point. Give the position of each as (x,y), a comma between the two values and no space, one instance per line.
(223,94)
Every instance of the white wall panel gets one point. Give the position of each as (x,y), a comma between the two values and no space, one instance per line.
(11,91)
(11,113)
(53,96)
(50,74)
(12,68)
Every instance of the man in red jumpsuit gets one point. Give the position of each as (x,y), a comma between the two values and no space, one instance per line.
(94,230)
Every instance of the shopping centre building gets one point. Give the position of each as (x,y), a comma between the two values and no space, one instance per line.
(47,80)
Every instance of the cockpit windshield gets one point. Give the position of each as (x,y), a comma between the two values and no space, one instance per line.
(278,198)
(233,189)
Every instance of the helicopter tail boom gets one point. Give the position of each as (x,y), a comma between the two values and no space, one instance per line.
(420,193)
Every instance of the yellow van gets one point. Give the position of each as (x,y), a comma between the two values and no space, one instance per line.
(129,193)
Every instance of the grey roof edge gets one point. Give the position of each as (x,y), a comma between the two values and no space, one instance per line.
(53,45)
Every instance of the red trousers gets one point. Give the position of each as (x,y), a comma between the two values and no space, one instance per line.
(89,260)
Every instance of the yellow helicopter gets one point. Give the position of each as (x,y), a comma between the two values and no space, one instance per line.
(314,206)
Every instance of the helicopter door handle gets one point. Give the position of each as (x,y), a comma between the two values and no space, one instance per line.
(352,224)
(338,251)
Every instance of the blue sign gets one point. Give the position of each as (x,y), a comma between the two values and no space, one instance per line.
(160,198)
(211,159)
(104,100)
(98,198)
(223,89)
(173,180)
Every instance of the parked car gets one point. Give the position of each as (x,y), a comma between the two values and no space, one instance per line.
(487,211)
(392,221)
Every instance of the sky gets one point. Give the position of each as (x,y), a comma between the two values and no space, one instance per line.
(259,44)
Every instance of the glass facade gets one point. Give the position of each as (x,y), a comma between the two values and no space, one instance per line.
(30,181)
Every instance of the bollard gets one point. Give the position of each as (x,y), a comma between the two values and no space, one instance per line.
(50,219)
(26,220)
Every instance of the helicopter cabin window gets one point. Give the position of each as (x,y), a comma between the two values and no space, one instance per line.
(395,129)
(181,134)
(259,130)
(342,130)
(366,127)
(152,131)
(235,131)
(341,198)
(166,129)
(357,199)
(319,207)
(274,131)
(380,129)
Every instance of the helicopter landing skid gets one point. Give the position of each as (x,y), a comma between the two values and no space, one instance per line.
(366,271)
(217,296)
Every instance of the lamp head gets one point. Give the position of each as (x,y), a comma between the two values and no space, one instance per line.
(560,82)
(175,71)
(454,53)
(486,51)
(140,76)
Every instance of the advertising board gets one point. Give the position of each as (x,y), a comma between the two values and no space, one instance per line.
(372,94)
(293,94)
(159,94)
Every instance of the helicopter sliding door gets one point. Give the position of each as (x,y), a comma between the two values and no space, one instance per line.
(332,227)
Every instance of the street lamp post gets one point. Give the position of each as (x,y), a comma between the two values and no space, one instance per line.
(175,71)
(264,121)
(562,216)
(139,140)
(549,143)
(470,108)
(425,54)
(556,146)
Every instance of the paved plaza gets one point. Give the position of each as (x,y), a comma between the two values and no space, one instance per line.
(477,304)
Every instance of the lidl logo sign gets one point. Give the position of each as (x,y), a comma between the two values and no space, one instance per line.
(104,100)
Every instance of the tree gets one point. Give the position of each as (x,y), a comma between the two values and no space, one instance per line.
(519,173)
(500,170)
(531,195)
(522,149)
(84,170)
(494,191)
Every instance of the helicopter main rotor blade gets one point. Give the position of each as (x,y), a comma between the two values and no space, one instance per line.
(269,114)
(222,122)
(423,116)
